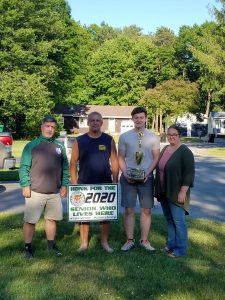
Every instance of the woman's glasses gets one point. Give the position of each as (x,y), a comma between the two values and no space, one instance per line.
(172,135)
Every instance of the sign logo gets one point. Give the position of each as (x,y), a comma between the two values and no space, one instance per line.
(58,150)
(77,199)
(102,147)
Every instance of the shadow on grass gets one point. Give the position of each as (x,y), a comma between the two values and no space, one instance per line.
(96,274)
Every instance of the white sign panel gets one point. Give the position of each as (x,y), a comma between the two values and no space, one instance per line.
(92,202)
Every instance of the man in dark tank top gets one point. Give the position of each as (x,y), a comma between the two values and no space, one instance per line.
(97,156)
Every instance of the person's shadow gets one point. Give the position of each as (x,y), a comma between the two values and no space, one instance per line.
(2,188)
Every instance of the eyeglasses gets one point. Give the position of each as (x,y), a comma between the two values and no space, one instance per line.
(172,135)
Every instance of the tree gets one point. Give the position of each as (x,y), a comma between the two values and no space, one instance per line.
(40,44)
(170,99)
(165,41)
(102,33)
(187,64)
(120,70)
(208,52)
(26,101)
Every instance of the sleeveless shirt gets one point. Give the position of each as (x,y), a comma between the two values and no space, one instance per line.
(94,156)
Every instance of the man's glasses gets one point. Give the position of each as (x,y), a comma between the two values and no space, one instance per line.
(172,135)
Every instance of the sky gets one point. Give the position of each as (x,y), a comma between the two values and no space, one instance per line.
(146,14)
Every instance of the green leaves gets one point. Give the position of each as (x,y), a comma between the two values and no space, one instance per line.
(48,59)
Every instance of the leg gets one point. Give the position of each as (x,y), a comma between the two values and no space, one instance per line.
(28,232)
(50,229)
(171,231)
(33,210)
(104,229)
(128,201)
(84,231)
(146,199)
(129,221)
(52,214)
(181,233)
(145,223)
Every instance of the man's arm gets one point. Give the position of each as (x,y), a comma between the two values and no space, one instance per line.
(73,163)
(114,162)
(155,155)
(24,172)
(65,174)
(122,165)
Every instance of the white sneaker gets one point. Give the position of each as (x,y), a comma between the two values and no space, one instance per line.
(146,245)
(128,245)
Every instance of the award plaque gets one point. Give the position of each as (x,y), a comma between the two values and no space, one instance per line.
(137,174)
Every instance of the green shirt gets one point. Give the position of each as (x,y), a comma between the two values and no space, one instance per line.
(44,166)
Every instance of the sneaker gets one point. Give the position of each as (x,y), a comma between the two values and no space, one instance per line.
(172,255)
(128,245)
(165,250)
(28,253)
(146,245)
(55,250)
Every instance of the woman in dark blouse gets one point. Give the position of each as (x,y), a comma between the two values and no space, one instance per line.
(174,178)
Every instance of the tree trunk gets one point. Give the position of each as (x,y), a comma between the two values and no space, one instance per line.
(160,123)
(153,122)
(156,122)
(208,103)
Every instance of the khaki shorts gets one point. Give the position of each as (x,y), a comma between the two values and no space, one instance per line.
(51,204)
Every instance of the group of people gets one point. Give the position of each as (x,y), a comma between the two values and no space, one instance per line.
(44,177)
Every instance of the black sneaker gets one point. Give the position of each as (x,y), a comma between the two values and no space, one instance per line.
(28,253)
(55,250)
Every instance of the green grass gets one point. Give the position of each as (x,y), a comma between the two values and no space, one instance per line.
(218,152)
(191,140)
(98,275)
(17,148)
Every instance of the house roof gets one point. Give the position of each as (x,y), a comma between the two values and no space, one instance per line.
(106,111)
(218,114)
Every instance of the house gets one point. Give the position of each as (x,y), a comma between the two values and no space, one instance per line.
(116,119)
(216,123)
(190,126)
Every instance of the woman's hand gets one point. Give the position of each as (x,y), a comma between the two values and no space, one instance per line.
(181,197)
(182,194)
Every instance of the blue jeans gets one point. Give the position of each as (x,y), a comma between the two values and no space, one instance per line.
(177,233)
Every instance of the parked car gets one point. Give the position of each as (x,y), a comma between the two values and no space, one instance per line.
(7,161)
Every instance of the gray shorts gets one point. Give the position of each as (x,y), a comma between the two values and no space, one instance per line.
(51,204)
(130,192)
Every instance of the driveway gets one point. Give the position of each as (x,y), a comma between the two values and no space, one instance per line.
(207,197)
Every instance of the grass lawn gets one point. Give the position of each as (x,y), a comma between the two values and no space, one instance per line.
(217,152)
(17,148)
(98,275)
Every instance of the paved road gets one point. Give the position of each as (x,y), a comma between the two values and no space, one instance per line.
(208,195)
